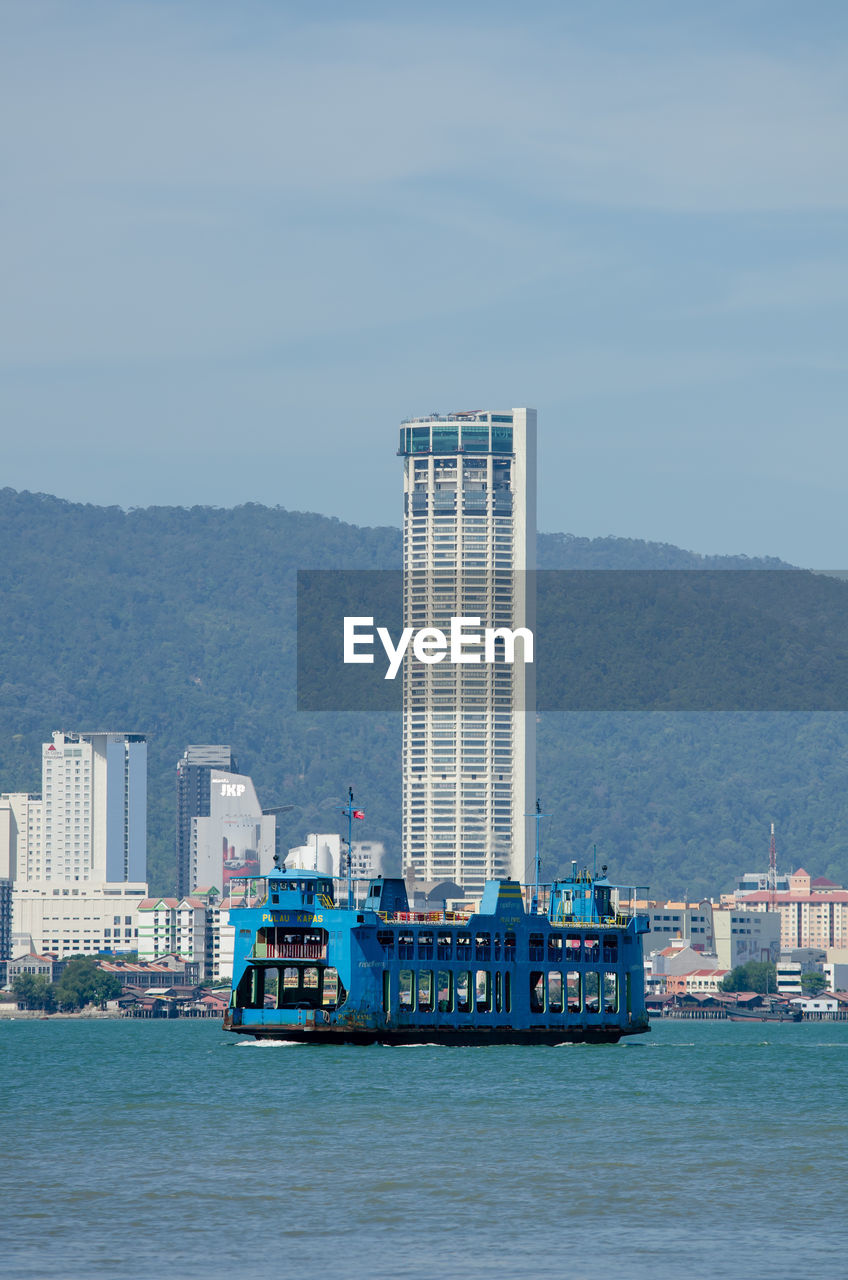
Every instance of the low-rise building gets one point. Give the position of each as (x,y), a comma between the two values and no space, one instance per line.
(183,926)
(789,978)
(167,971)
(46,966)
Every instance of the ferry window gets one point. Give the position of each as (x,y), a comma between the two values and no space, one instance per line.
(290,979)
(463,992)
(591,998)
(572,949)
(425,946)
(483,988)
(445,981)
(444,943)
(537,991)
(497,946)
(508,992)
(536,944)
(386,939)
(483,946)
(271,988)
(310,978)
(425,991)
(591,947)
(463,945)
(405,945)
(555,991)
(406,989)
(509,946)
(572,983)
(610,948)
(627,993)
(275,897)
(330,995)
(610,993)
(554,948)
(498,992)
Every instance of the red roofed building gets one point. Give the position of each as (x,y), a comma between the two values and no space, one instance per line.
(813,913)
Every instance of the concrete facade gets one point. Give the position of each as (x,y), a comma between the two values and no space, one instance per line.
(21,850)
(469,539)
(94,788)
(67,919)
(236,839)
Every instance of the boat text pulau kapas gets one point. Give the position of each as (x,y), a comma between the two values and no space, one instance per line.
(307,969)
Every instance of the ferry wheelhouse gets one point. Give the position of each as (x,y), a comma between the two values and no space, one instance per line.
(306,968)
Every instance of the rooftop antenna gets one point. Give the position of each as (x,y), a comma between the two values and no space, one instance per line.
(772,872)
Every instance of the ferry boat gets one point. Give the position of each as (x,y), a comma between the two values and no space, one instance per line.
(308,969)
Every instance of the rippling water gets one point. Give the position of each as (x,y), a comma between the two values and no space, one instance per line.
(170,1150)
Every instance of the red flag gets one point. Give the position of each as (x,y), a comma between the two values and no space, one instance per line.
(357,813)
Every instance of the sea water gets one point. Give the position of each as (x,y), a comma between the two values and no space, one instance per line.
(166,1150)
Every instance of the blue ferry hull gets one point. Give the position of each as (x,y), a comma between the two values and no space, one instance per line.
(308,970)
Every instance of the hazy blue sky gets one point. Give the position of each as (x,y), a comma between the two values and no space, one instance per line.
(239,242)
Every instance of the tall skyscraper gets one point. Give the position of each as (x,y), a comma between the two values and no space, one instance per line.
(94,825)
(469,546)
(193,773)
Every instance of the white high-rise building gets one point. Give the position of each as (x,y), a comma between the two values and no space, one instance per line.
(20,836)
(94,788)
(469,547)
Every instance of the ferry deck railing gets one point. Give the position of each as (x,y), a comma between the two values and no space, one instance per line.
(289,951)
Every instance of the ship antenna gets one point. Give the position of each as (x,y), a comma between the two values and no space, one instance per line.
(538,816)
(351,814)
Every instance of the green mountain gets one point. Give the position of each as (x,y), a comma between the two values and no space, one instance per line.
(180,623)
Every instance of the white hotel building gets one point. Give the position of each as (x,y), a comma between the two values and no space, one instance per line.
(469,544)
(78,857)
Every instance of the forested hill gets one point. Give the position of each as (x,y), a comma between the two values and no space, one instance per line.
(180,623)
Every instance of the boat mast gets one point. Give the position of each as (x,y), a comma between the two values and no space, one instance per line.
(538,816)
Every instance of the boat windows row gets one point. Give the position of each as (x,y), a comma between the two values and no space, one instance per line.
(449,944)
(485,991)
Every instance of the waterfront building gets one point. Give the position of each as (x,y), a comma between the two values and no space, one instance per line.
(194,771)
(789,977)
(20,836)
(168,971)
(67,919)
(696,982)
(94,788)
(39,966)
(469,545)
(236,838)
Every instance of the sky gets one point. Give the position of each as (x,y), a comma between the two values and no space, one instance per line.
(239,243)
